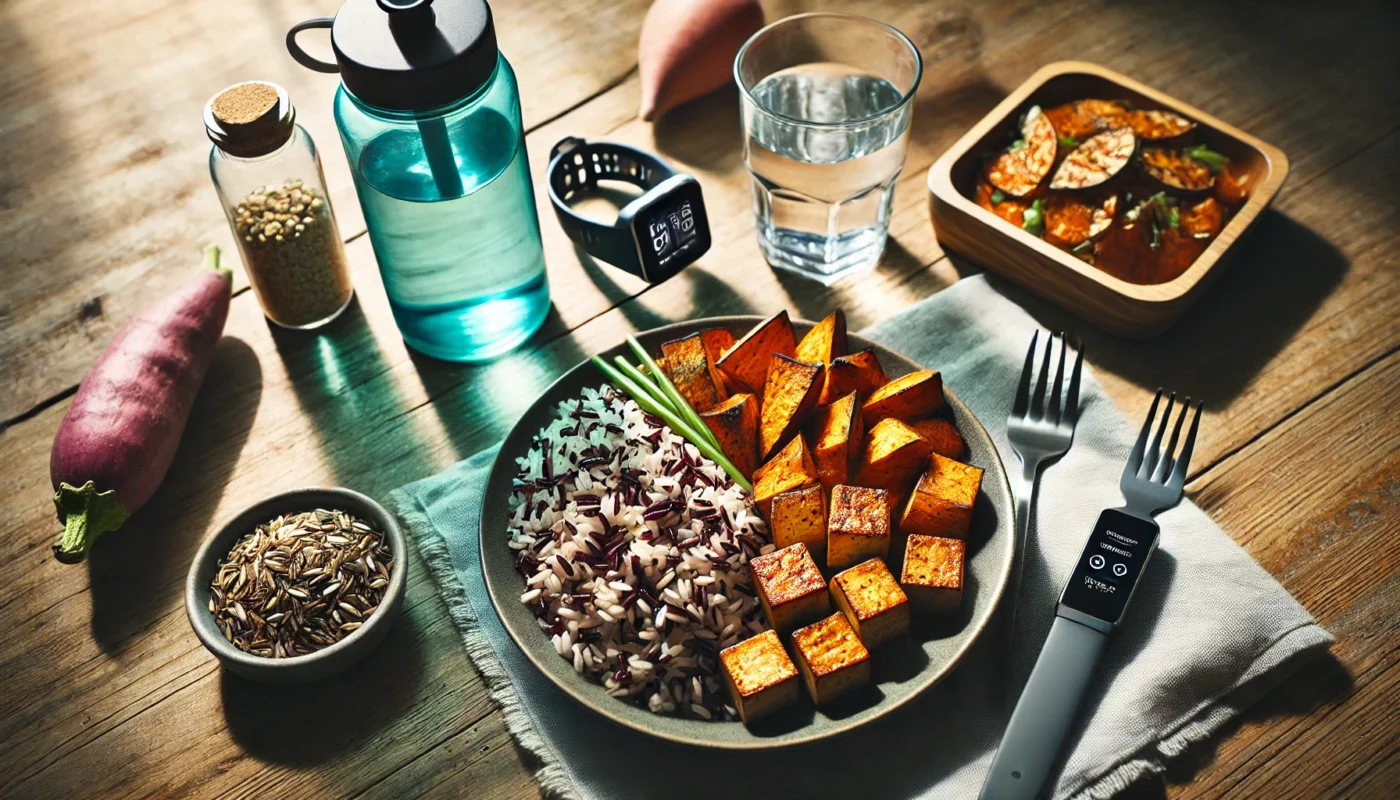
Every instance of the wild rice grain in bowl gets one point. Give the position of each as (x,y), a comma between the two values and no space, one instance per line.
(635,551)
(300,583)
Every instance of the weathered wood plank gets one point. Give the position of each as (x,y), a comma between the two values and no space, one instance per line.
(105,185)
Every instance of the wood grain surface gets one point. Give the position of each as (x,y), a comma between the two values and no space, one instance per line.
(104,201)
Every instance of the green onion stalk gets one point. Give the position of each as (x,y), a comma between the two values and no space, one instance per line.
(652,398)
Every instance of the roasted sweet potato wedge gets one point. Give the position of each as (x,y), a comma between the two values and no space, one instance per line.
(942,435)
(790,393)
(745,364)
(1009,208)
(913,396)
(1071,220)
(734,423)
(1202,220)
(835,432)
(941,503)
(717,342)
(1097,161)
(1125,250)
(893,456)
(858,372)
(825,341)
(694,375)
(1020,169)
(1172,169)
(790,469)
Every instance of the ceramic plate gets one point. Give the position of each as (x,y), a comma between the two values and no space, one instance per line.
(901,670)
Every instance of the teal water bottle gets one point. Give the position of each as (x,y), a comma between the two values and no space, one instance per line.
(429,113)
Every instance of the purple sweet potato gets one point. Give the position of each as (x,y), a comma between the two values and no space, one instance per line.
(119,436)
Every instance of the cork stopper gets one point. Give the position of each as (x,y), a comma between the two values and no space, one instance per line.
(249,119)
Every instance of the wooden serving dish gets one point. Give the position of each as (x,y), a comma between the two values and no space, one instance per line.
(1127,309)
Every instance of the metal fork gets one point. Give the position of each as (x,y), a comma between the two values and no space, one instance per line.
(1153,479)
(1037,434)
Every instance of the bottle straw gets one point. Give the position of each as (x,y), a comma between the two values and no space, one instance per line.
(441,160)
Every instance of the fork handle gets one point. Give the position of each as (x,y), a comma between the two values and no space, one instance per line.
(1044,713)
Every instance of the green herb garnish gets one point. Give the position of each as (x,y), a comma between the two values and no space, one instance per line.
(656,394)
(1068,141)
(997,197)
(1033,218)
(1214,161)
(1084,248)
(1174,217)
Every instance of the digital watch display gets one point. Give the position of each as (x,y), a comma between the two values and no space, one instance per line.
(1108,570)
(656,235)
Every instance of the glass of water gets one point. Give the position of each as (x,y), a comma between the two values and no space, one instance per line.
(825,104)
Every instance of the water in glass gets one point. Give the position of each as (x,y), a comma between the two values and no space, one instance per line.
(824,161)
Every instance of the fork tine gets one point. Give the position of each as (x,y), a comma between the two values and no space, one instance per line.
(1038,400)
(1183,462)
(1154,451)
(1059,380)
(1023,389)
(1072,398)
(1140,446)
(1164,469)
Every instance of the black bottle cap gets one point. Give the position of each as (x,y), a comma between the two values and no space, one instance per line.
(408,55)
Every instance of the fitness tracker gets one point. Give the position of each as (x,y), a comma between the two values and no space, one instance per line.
(657,234)
(1091,608)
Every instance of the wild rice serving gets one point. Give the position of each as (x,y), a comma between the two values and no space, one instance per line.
(634,550)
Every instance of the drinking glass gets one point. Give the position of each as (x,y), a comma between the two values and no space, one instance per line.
(825,107)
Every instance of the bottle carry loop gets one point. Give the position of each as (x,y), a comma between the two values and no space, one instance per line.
(304,58)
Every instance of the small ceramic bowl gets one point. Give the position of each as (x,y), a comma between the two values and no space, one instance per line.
(326,661)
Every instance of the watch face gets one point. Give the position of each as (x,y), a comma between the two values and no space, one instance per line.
(1110,566)
(672,230)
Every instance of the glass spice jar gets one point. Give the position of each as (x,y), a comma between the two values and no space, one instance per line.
(268,175)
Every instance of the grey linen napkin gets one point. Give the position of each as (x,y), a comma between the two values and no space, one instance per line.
(1209,630)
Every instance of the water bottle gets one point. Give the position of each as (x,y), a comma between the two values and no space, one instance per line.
(429,113)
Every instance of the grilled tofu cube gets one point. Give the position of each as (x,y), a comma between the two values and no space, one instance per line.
(858,526)
(790,587)
(872,601)
(893,457)
(761,677)
(800,516)
(918,394)
(791,468)
(933,573)
(941,504)
(831,657)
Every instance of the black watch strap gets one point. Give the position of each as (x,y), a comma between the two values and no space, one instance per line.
(575,167)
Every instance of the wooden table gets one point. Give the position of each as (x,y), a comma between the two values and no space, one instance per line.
(104,690)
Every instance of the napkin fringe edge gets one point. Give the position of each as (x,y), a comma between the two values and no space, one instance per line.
(551,775)
(1281,659)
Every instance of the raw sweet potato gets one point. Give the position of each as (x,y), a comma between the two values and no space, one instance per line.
(689,368)
(745,364)
(791,468)
(893,456)
(825,341)
(790,393)
(941,434)
(800,516)
(1020,169)
(835,432)
(941,503)
(734,423)
(858,372)
(913,396)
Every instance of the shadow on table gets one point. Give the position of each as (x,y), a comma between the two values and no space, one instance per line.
(305,725)
(1278,279)
(1323,681)
(137,573)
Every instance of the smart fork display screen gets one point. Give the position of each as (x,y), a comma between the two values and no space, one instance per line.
(1110,566)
